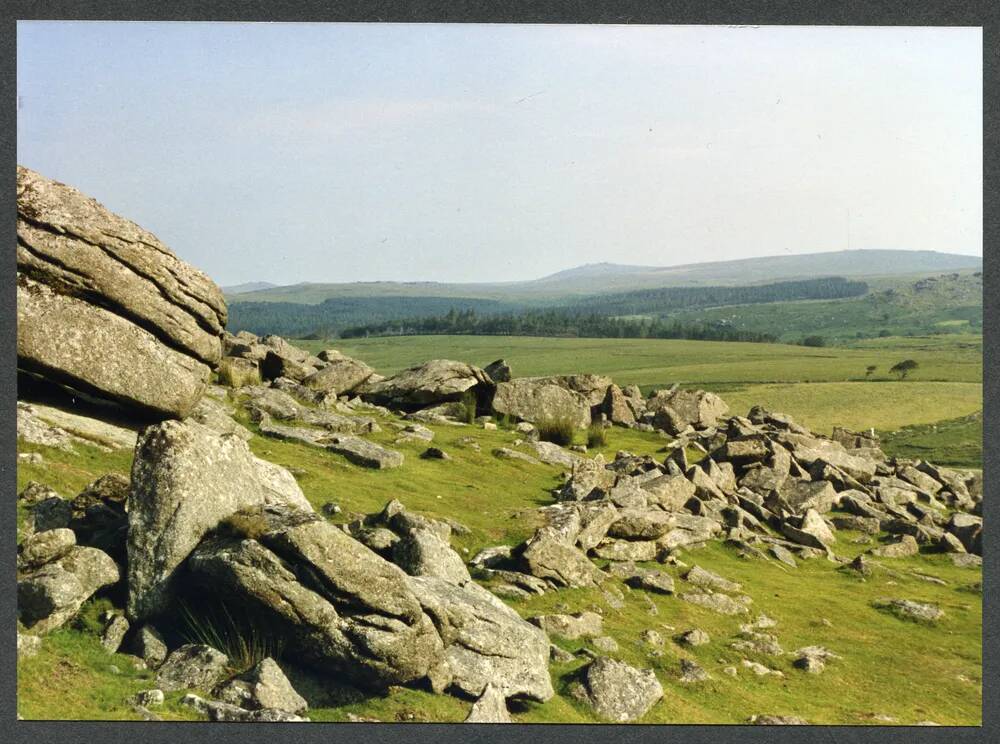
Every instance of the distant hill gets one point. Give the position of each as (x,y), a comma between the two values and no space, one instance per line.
(247,287)
(602,278)
(947,303)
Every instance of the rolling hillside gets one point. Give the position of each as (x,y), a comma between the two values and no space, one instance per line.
(600,278)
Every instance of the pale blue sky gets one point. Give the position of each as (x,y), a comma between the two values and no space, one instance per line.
(350,152)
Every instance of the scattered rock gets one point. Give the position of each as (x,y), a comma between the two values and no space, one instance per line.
(694,637)
(907,609)
(619,692)
(721,603)
(691,671)
(114,633)
(581,625)
(264,686)
(192,666)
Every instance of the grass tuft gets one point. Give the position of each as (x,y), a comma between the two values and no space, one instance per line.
(557,429)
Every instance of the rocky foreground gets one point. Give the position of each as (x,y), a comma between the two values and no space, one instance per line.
(383,599)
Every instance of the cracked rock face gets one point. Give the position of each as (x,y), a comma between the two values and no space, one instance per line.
(105,308)
(186,479)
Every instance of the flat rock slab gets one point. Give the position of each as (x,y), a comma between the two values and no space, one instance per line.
(365,453)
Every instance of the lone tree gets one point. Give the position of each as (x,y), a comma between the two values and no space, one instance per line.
(870,370)
(903,368)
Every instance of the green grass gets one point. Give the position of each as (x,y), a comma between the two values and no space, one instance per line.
(661,362)
(821,387)
(861,405)
(956,442)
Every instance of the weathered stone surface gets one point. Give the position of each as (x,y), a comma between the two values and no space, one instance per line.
(351,612)
(485,640)
(616,407)
(27,645)
(339,376)
(548,558)
(627,550)
(589,479)
(540,400)
(491,707)
(436,381)
(43,547)
(710,580)
(651,580)
(423,553)
(221,712)
(910,610)
(192,666)
(968,528)
(114,633)
(619,692)
(43,424)
(215,416)
(50,595)
(71,341)
(186,479)
(671,492)
(691,672)
(813,532)
(263,686)
(553,454)
(73,244)
(694,637)
(595,519)
(499,371)
(581,625)
(905,547)
(647,524)
(695,407)
(362,452)
(797,496)
(721,603)
(148,645)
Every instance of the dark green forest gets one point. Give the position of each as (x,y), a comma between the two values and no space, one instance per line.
(556,323)
(596,316)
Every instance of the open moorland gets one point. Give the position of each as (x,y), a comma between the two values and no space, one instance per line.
(219,526)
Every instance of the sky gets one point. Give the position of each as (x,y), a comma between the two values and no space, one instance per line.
(454,152)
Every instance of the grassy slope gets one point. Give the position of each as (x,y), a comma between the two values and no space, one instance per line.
(919,671)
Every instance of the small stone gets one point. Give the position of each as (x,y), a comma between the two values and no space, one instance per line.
(114,633)
(692,672)
(147,698)
(607,644)
(694,637)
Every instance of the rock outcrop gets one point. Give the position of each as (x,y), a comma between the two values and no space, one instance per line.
(186,479)
(105,308)
(436,381)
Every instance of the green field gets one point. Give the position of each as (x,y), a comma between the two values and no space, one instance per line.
(822,387)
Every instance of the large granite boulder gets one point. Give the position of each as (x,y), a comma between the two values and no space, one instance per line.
(105,308)
(541,400)
(485,641)
(339,607)
(339,376)
(680,408)
(186,479)
(436,381)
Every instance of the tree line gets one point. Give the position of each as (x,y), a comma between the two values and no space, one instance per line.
(554,322)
